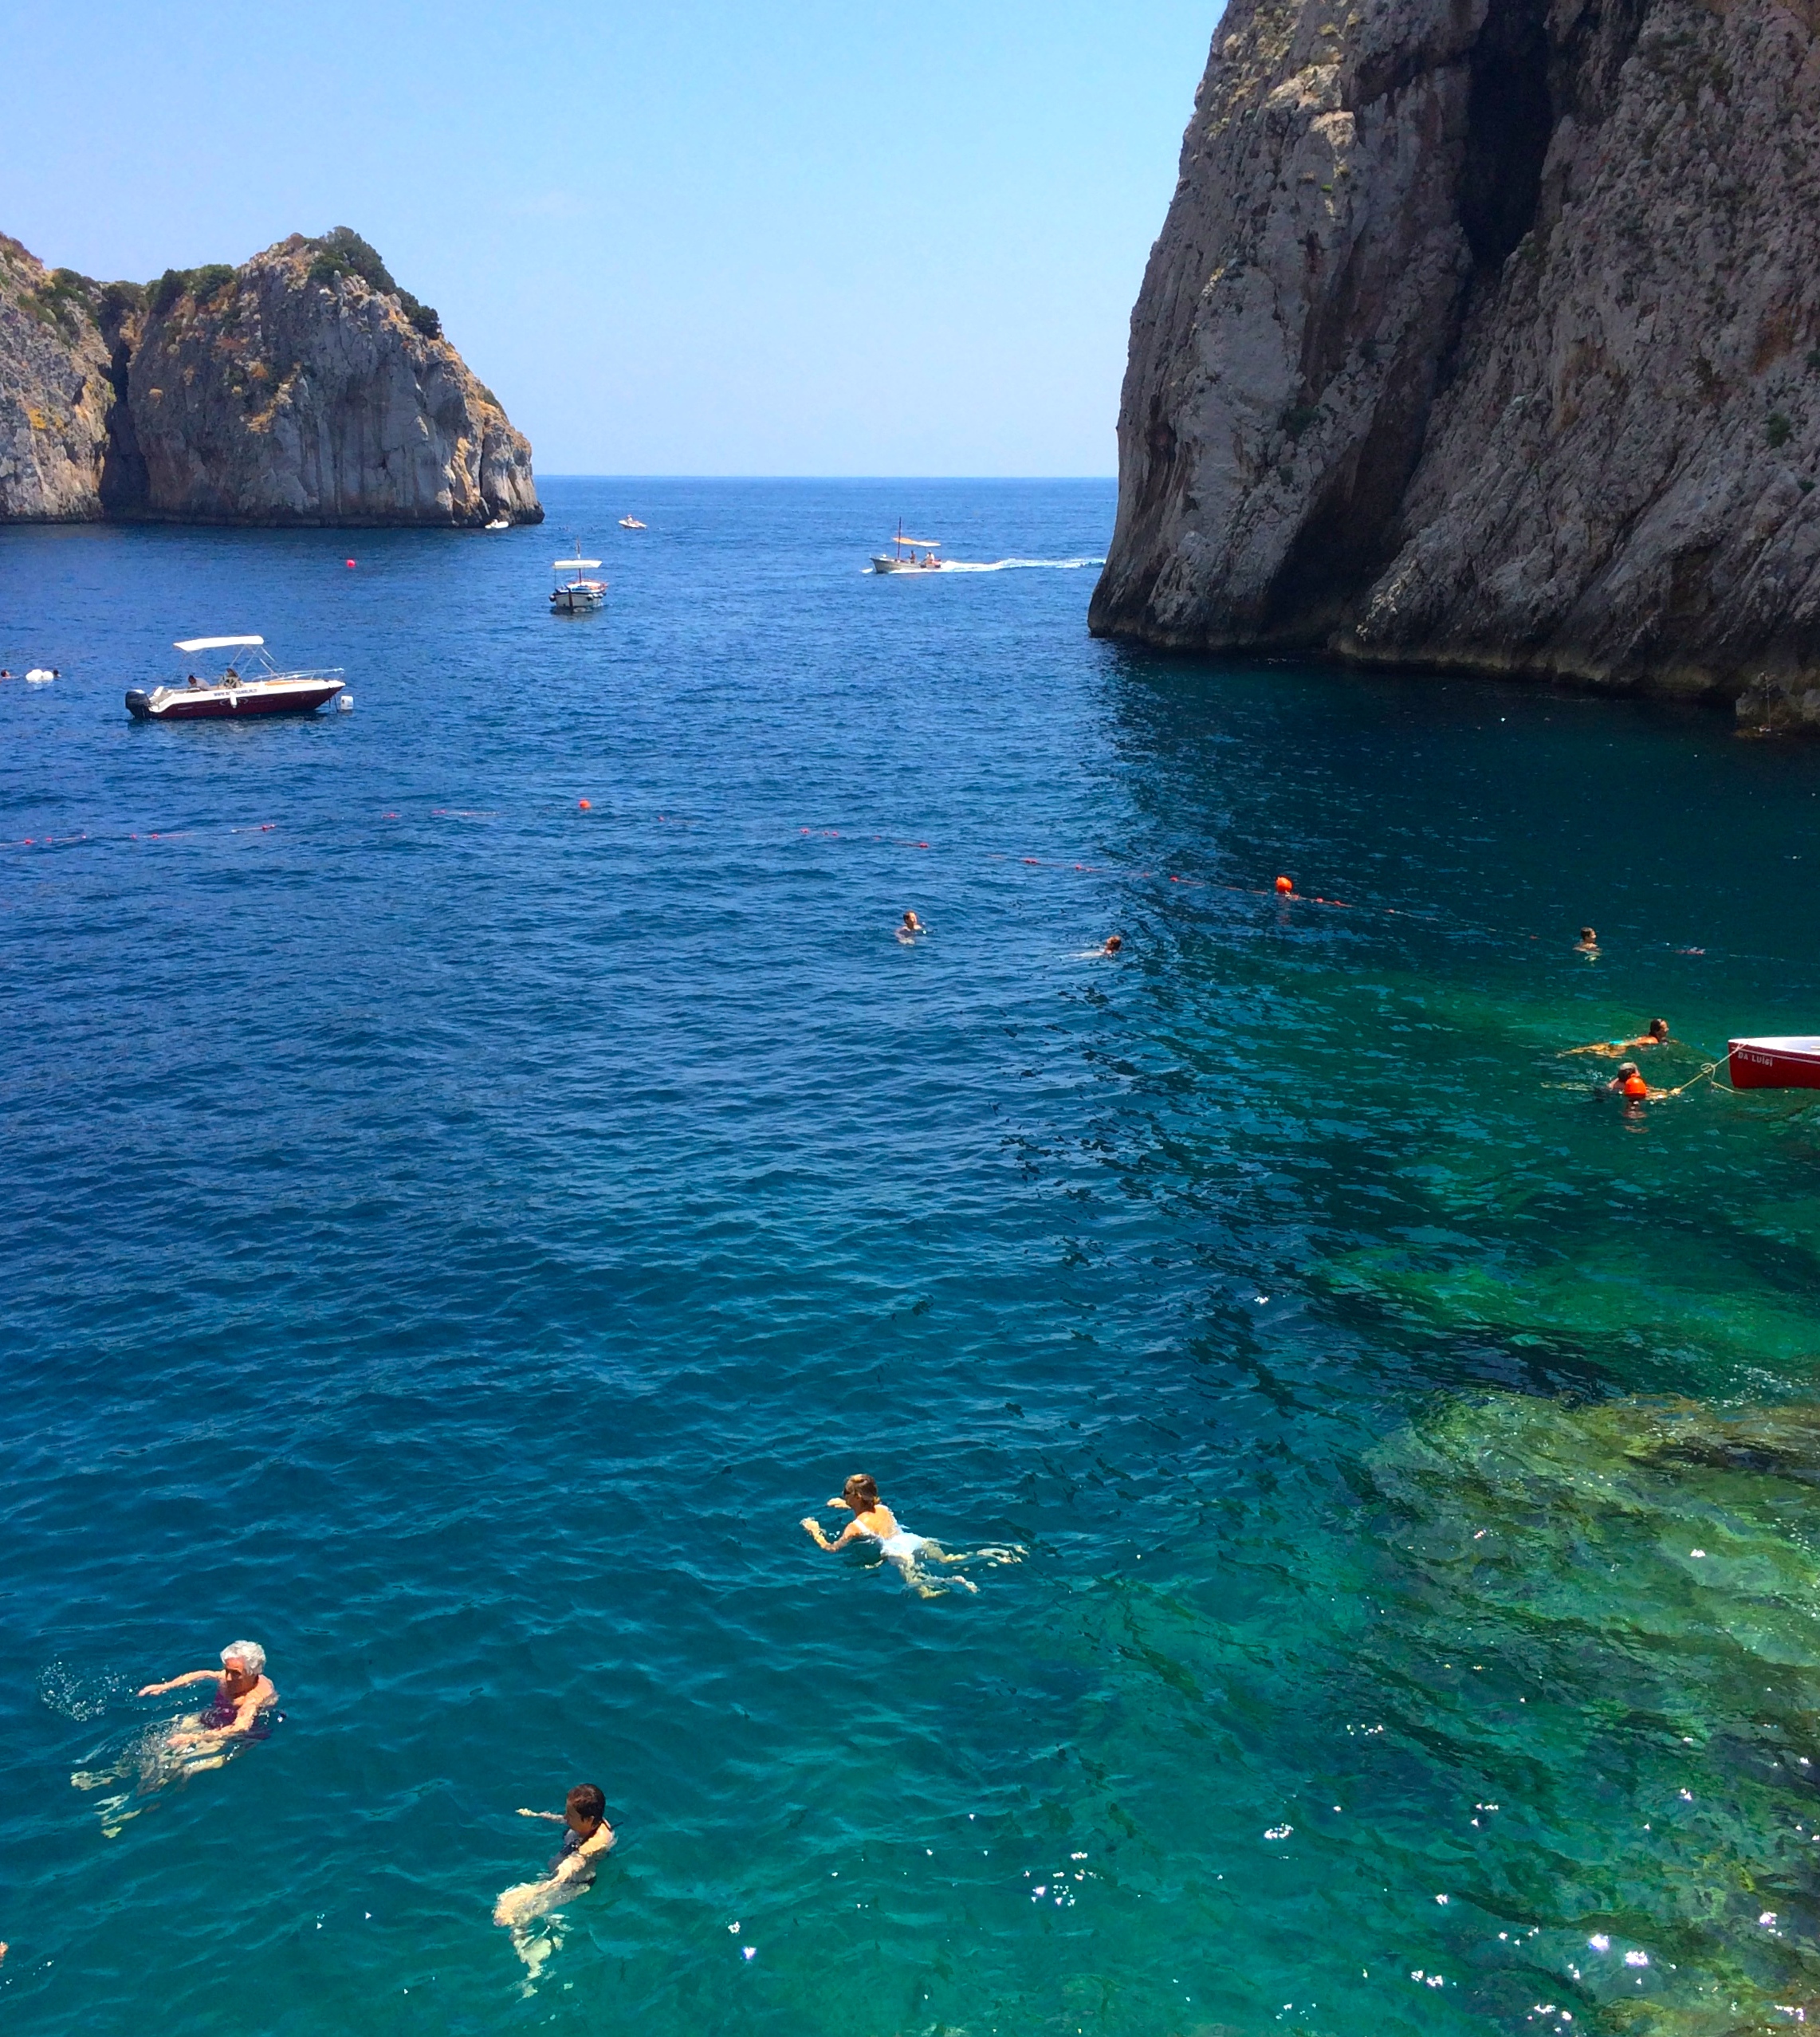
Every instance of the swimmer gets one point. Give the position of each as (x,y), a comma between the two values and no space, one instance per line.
(196,1742)
(1657,1036)
(874,1521)
(1113,943)
(518,1910)
(1629,1083)
(1588,944)
(909,927)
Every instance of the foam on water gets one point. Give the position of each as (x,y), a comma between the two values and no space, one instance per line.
(456,1235)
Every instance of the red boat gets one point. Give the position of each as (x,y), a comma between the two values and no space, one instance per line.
(1781,1060)
(265,690)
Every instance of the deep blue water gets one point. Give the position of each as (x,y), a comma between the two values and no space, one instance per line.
(452,1237)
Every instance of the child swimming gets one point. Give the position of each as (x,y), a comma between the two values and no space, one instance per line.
(873,1521)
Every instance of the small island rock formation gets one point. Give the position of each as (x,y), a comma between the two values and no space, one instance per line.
(303,387)
(1485,334)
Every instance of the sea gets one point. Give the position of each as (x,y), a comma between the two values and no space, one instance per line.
(481,1170)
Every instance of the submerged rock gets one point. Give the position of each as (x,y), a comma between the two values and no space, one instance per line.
(303,387)
(1487,335)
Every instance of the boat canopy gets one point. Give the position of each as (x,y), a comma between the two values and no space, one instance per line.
(217,643)
(563,565)
(920,544)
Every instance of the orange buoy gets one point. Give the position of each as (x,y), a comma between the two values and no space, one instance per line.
(1285,884)
(1634,1085)
(585,805)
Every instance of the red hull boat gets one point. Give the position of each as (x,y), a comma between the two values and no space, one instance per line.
(1788,1060)
(266,690)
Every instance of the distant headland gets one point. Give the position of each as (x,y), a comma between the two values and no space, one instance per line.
(303,387)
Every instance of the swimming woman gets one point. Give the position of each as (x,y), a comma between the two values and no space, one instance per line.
(1657,1036)
(525,1910)
(873,1521)
(238,1715)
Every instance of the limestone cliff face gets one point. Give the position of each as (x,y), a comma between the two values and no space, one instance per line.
(303,387)
(55,393)
(1486,333)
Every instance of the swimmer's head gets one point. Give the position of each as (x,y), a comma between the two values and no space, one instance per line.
(249,1654)
(1658,1029)
(860,1493)
(1113,943)
(587,1802)
(1586,933)
(1627,1068)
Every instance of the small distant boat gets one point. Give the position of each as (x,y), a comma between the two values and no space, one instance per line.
(631,523)
(910,555)
(499,523)
(577,596)
(1780,1060)
(265,690)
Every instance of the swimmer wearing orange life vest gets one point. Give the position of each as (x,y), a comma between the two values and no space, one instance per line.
(1629,1083)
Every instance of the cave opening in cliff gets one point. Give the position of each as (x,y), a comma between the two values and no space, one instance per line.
(1510,117)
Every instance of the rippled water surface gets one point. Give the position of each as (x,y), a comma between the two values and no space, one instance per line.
(452,1235)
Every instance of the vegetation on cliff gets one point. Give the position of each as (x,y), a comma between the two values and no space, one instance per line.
(304,386)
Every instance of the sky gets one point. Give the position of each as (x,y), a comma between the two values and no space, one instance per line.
(683,237)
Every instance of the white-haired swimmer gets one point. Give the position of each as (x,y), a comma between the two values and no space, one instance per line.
(873,1521)
(239,1713)
(519,1910)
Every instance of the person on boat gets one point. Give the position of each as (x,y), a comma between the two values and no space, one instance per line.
(192,680)
(588,1838)
(873,1521)
(909,927)
(1657,1036)
(1588,944)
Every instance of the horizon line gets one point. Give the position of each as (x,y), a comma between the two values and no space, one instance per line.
(561,474)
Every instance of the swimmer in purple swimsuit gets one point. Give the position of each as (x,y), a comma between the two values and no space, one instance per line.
(240,1713)
(244,1694)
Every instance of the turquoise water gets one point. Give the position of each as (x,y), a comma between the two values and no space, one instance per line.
(454,1236)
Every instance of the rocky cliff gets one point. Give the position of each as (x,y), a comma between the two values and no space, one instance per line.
(1486,333)
(302,387)
(55,393)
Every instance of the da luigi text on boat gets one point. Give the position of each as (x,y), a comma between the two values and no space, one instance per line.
(265,689)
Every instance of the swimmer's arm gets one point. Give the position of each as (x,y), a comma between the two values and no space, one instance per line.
(589,1850)
(177,1683)
(813,1527)
(555,1817)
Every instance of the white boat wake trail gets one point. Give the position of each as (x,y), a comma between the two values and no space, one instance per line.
(1003,565)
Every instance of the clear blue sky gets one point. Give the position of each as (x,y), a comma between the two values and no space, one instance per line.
(684,237)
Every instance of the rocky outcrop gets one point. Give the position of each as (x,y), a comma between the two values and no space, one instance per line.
(1486,334)
(303,387)
(55,393)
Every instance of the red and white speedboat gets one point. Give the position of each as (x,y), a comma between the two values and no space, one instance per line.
(1779,1060)
(263,689)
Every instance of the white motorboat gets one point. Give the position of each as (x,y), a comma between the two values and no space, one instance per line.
(263,690)
(910,555)
(576,596)
(631,523)
(498,523)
